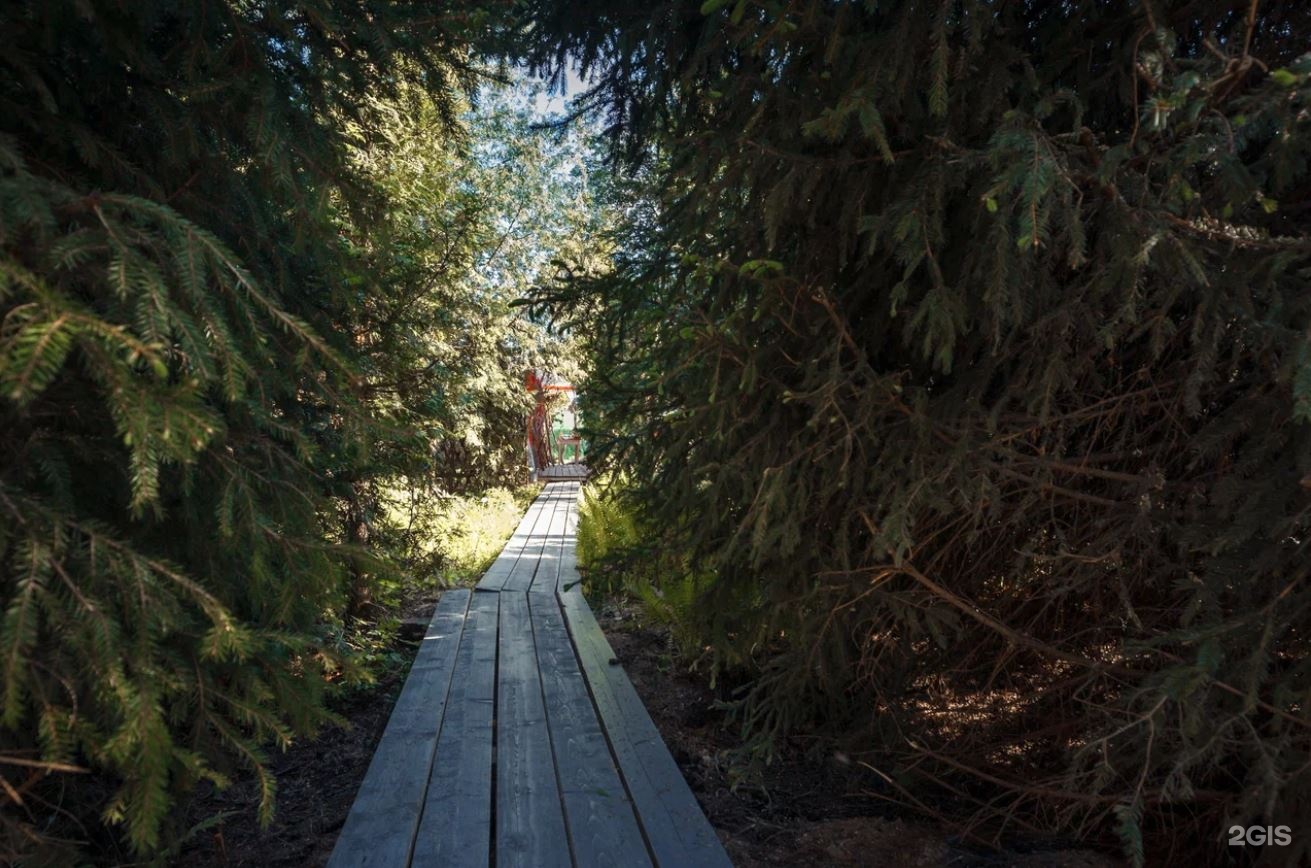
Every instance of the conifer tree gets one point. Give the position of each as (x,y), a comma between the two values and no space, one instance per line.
(964,347)
(181,412)
(472,220)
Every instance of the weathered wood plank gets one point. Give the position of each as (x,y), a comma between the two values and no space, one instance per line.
(380,828)
(598,815)
(548,567)
(581,773)
(567,575)
(530,829)
(676,829)
(521,576)
(562,471)
(494,578)
(457,818)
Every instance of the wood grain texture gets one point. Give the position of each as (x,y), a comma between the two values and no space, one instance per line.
(520,578)
(598,815)
(380,829)
(548,567)
(567,577)
(530,831)
(563,471)
(676,829)
(505,562)
(455,831)
(515,739)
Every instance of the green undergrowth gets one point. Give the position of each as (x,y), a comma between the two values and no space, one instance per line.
(623,557)
(607,530)
(451,543)
(466,533)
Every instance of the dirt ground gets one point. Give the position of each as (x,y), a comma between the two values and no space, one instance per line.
(803,812)
(316,785)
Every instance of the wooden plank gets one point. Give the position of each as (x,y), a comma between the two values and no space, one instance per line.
(549,571)
(548,567)
(678,833)
(494,578)
(598,815)
(520,578)
(456,828)
(380,828)
(563,472)
(530,829)
(567,577)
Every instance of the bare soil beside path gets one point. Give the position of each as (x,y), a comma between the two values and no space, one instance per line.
(317,781)
(804,811)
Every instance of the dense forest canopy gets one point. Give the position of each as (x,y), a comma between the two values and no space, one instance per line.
(953,357)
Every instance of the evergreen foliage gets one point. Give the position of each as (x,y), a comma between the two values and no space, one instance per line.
(471,222)
(958,353)
(966,343)
(244,289)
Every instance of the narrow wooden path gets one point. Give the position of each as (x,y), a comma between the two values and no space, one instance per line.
(517,739)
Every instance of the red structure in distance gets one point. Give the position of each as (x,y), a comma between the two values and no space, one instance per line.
(545,385)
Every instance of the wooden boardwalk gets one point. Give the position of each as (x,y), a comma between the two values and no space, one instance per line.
(562,472)
(517,739)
